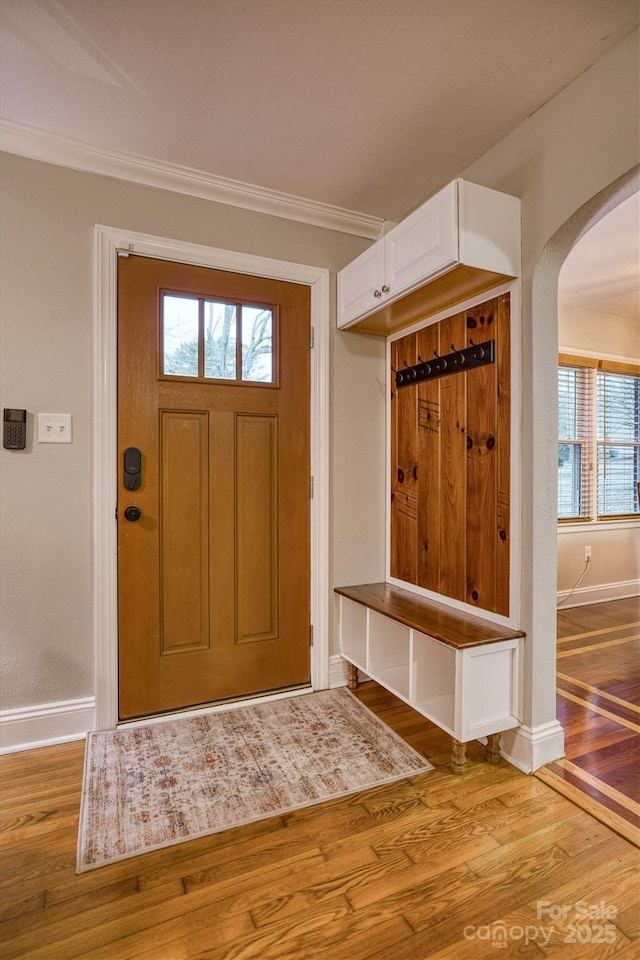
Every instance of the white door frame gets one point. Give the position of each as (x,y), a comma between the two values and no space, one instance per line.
(109,243)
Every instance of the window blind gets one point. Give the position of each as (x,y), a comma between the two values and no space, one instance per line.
(575,466)
(618,441)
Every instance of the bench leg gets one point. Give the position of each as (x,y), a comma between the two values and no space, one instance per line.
(458,757)
(493,748)
(352,676)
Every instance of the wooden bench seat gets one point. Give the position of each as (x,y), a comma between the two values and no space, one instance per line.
(453,627)
(457,669)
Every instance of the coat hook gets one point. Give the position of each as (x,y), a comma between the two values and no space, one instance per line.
(436,354)
(460,359)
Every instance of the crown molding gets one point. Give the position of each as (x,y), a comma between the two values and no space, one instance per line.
(28,141)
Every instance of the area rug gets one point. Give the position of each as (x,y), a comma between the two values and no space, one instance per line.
(152,786)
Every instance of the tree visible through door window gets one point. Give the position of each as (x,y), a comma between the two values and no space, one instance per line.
(598,441)
(216,340)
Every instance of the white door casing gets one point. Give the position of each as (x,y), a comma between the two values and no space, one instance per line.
(109,243)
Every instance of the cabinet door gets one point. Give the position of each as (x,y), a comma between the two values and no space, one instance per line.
(487,689)
(424,245)
(358,283)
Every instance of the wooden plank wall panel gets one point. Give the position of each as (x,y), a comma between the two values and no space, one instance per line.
(428,466)
(450,463)
(481,526)
(450,515)
(184,531)
(256,520)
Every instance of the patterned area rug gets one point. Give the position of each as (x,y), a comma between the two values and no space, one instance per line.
(152,786)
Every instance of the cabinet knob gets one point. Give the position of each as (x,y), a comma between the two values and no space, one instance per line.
(377,293)
(385,289)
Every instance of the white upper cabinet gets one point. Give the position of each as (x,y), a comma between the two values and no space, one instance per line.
(463,241)
(360,284)
(424,244)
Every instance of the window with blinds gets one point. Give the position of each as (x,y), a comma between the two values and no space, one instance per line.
(618,444)
(598,440)
(574,443)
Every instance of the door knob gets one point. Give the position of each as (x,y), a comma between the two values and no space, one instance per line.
(132,513)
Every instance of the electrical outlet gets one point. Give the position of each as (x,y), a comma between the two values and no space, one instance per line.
(587,554)
(54,428)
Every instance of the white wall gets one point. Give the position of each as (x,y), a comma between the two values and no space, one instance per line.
(48,215)
(598,334)
(614,570)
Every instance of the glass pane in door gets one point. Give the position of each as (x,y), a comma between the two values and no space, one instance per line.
(257,344)
(219,340)
(179,336)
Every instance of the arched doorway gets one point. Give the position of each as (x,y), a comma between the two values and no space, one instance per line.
(540,738)
(544,313)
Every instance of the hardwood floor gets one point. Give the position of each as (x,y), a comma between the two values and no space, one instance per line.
(423,868)
(598,696)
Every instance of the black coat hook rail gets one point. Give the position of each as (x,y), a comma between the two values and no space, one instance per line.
(477,355)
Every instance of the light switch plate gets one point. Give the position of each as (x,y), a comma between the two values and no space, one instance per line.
(54,428)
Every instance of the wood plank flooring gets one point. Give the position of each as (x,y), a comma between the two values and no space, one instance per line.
(598,696)
(423,868)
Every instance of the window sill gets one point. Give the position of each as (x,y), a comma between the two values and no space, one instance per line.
(628,523)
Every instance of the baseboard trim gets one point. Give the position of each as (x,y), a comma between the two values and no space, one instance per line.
(337,671)
(600,594)
(529,748)
(45,724)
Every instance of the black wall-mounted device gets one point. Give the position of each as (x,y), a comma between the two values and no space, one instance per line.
(14,429)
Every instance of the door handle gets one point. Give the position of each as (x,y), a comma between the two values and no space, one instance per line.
(132,468)
(132,513)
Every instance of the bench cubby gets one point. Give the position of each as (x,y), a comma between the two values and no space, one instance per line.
(459,671)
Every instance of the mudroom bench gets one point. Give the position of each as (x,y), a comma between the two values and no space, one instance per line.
(460,671)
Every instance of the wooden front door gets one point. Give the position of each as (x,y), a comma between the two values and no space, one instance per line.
(214,557)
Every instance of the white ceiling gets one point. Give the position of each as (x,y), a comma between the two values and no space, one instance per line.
(368,105)
(602,271)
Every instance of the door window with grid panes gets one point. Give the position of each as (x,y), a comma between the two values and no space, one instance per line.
(216,340)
